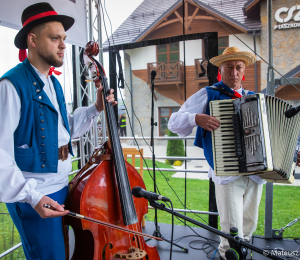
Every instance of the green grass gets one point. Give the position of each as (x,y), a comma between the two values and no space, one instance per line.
(286,200)
(9,236)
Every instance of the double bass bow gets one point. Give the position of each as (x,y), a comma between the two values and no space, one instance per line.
(102,190)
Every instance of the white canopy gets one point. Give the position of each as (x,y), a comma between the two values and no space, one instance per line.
(11,11)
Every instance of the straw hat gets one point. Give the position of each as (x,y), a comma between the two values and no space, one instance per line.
(233,53)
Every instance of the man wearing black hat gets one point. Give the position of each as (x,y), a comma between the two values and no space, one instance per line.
(36,132)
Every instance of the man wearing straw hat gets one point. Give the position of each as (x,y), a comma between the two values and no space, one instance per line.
(238,197)
(36,132)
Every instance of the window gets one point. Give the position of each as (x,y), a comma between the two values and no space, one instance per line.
(168,52)
(222,44)
(164,116)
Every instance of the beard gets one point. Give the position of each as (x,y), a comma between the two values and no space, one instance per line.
(50,58)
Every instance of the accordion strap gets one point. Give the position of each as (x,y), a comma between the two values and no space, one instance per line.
(222,91)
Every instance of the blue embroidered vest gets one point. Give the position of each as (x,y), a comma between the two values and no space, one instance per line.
(206,142)
(38,126)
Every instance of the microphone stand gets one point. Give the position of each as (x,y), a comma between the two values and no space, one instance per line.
(156,232)
(238,245)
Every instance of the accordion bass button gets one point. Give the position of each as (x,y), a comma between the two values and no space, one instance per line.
(247,132)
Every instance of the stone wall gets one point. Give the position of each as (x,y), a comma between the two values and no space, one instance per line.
(286,47)
(141,94)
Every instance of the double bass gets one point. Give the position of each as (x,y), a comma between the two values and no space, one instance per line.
(102,190)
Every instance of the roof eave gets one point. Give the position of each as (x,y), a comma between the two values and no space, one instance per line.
(249,5)
(223,17)
(143,34)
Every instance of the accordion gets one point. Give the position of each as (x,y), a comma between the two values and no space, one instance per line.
(255,137)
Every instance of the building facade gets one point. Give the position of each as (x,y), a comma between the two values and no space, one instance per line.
(238,23)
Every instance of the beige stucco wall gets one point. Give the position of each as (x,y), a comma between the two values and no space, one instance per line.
(286,42)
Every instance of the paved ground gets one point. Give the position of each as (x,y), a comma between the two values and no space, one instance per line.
(192,151)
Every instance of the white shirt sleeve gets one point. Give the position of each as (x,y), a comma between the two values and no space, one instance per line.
(13,186)
(82,120)
(183,121)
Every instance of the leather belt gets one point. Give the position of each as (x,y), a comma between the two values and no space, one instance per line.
(63,152)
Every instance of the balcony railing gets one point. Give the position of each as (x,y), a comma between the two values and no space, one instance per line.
(166,72)
(200,70)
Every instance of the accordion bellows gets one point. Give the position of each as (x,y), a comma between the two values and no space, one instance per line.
(255,137)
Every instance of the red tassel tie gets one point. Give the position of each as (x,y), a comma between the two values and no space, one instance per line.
(22,55)
(52,70)
(236,95)
(219,78)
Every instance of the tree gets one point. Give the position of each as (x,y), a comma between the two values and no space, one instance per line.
(174,148)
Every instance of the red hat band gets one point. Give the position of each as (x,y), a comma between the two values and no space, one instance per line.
(38,16)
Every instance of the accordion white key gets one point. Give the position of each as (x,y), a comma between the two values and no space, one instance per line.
(255,137)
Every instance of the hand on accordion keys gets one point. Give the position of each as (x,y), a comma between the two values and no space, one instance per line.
(207,122)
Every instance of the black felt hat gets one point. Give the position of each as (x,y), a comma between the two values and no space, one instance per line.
(36,14)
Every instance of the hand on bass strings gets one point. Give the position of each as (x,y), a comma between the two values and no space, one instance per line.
(207,122)
(110,99)
(46,213)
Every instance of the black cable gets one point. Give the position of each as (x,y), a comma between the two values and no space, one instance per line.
(172,232)
(208,241)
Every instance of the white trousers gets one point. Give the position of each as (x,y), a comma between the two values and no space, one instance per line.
(238,203)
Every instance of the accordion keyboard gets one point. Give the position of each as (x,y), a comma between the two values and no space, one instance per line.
(224,151)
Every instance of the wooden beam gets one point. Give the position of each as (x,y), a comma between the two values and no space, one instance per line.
(161,23)
(186,14)
(252,5)
(192,18)
(219,17)
(198,17)
(155,26)
(179,17)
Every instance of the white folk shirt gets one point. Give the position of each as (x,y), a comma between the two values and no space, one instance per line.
(17,186)
(183,122)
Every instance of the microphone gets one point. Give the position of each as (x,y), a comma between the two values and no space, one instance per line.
(153,74)
(139,192)
(292,112)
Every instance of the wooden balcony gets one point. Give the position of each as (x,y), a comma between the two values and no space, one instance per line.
(169,75)
(200,70)
(168,72)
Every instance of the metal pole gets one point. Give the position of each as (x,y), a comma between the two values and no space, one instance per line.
(79,101)
(270,91)
(255,64)
(90,21)
(127,57)
(156,232)
(271,78)
(10,250)
(99,20)
(91,89)
(184,67)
